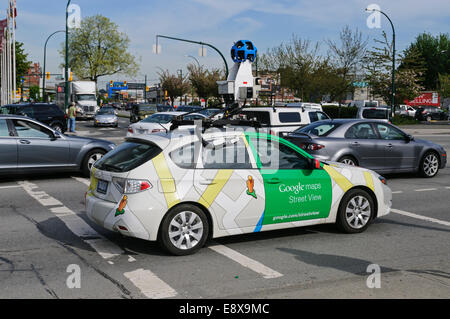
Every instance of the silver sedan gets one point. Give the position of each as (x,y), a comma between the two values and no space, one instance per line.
(107,116)
(372,144)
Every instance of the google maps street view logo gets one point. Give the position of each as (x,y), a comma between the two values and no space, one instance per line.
(250,185)
(121,209)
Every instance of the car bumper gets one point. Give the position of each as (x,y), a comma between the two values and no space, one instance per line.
(105,123)
(443,160)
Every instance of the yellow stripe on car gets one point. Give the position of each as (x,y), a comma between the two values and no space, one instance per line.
(369,180)
(216,186)
(340,179)
(166,179)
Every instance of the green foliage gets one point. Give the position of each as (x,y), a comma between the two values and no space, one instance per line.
(435,51)
(174,85)
(444,85)
(99,49)
(22,63)
(404,120)
(35,93)
(345,112)
(204,81)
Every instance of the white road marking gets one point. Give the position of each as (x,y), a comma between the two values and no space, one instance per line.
(105,248)
(245,261)
(8,187)
(426,189)
(425,218)
(85,181)
(397,192)
(131,259)
(150,285)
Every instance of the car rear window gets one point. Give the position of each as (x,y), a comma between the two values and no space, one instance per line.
(128,156)
(263,117)
(289,117)
(375,114)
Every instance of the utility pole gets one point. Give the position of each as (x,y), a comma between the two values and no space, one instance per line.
(45,62)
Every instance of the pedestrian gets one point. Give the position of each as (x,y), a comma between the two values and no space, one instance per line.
(72,113)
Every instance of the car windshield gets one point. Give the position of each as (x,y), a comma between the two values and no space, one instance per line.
(375,114)
(86,97)
(128,156)
(319,129)
(106,111)
(147,108)
(210,112)
(159,118)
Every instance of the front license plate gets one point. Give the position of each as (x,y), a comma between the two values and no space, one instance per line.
(102,187)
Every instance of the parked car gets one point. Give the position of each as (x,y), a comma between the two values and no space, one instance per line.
(375,113)
(372,144)
(28,146)
(107,116)
(188,108)
(49,114)
(164,108)
(405,110)
(141,111)
(212,113)
(428,113)
(159,122)
(283,119)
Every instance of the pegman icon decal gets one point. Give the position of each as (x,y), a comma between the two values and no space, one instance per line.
(250,187)
(121,209)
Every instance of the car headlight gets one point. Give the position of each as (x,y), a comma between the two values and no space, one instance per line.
(382,179)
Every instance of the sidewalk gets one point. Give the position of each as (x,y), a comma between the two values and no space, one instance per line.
(426,129)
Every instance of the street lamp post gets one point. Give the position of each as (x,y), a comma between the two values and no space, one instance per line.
(45,62)
(196,60)
(66,90)
(393,57)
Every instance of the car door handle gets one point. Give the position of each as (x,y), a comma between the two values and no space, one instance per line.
(274,181)
(355,144)
(24,142)
(390,145)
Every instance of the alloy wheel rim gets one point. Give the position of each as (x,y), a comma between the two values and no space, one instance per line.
(430,165)
(94,158)
(186,230)
(348,161)
(358,212)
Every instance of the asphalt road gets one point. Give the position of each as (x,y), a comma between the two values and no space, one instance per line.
(44,235)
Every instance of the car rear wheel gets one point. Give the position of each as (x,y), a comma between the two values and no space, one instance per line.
(90,159)
(348,160)
(184,230)
(355,211)
(429,165)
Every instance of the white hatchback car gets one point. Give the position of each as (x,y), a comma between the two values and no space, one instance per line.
(180,191)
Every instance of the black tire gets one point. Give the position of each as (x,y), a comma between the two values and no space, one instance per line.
(347,159)
(58,127)
(188,229)
(363,216)
(425,169)
(86,165)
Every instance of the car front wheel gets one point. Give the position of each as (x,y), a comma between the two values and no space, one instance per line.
(184,230)
(348,160)
(90,159)
(429,165)
(355,211)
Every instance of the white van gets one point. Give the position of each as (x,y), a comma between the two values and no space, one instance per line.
(364,103)
(283,119)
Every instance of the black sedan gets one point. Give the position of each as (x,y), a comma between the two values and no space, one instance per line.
(372,144)
(429,113)
(28,146)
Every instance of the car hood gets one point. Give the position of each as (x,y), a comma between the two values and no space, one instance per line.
(86,140)
(342,165)
(105,116)
(429,143)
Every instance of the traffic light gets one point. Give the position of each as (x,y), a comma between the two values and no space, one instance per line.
(111,83)
(71,77)
(125,83)
(47,75)
(147,88)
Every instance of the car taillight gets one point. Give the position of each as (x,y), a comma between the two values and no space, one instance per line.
(131,186)
(424,112)
(130,130)
(157,130)
(311,147)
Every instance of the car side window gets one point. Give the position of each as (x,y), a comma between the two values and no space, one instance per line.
(289,117)
(388,132)
(184,157)
(322,116)
(229,153)
(275,155)
(361,131)
(4,131)
(29,129)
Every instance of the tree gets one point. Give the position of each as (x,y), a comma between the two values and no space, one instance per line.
(35,93)
(378,66)
(204,81)
(22,63)
(346,57)
(98,49)
(435,52)
(174,85)
(296,62)
(444,85)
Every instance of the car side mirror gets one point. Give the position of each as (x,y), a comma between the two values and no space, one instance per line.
(56,135)
(409,138)
(313,164)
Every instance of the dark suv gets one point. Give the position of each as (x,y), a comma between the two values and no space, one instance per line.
(428,113)
(49,114)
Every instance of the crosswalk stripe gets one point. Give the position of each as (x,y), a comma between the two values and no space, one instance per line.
(150,285)
(105,248)
(425,218)
(245,261)
(85,181)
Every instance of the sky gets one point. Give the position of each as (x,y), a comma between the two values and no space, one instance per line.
(267,23)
